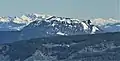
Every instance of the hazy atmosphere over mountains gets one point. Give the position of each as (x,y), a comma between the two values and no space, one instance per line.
(81,9)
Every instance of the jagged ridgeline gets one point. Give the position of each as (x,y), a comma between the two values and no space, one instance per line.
(33,25)
(95,47)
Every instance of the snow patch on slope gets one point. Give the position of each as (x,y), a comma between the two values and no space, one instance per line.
(60,33)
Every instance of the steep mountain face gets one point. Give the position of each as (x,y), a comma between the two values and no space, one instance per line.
(30,26)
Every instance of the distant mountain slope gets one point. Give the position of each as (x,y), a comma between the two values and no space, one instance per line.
(33,25)
(96,47)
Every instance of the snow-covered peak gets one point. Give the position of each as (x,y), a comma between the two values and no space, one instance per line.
(26,19)
(22,20)
(4,19)
(42,15)
(18,20)
(39,15)
(101,21)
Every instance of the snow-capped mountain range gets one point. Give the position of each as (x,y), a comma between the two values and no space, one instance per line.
(20,23)
(39,25)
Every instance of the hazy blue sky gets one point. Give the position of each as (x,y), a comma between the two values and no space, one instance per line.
(68,8)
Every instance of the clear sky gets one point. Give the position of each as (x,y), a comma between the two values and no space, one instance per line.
(81,9)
